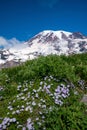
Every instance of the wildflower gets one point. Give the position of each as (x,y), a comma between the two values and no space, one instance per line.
(76,93)
(26,89)
(17,96)
(36,95)
(43,106)
(13,112)
(22,106)
(19,87)
(17,122)
(18,106)
(39,104)
(47,90)
(49,80)
(13,119)
(23,98)
(41,83)
(18,111)
(59,102)
(21,110)
(34,91)
(48,86)
(43,117)
(4,127)
(19,126)
(39,89)
(29,124)
(40,112)
(33,103)
(39,123)
(13,101)
(64,95)
(51,77)
(58,90)
(27,108)
(37,119)
(10,108)
(24,128)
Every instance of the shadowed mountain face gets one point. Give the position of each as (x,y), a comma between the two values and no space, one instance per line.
(77,35)
(45,43)
(9,64)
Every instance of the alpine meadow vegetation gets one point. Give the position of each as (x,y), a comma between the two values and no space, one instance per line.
(45,94)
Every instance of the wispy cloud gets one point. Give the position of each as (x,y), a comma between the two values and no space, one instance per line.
(5,43)
(47,3)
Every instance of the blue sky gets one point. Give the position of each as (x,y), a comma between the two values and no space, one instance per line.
(25,18)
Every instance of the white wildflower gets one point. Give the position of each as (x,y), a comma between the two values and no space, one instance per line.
(33,103)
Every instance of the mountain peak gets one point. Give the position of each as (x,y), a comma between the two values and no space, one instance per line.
(57,33)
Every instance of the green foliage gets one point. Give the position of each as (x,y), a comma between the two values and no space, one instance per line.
(66,118)
(68,67)
(72,115)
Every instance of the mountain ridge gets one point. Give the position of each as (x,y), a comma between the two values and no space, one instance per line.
(45,43)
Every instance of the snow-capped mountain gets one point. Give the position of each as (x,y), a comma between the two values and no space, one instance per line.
(45,43)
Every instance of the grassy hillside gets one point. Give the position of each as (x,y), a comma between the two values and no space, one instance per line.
(45,94)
